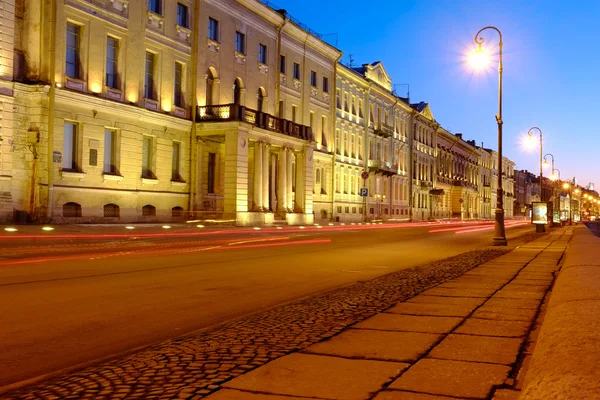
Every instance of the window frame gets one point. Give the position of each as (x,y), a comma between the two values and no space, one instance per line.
(75,148)
(240,42)
(183,18)
(213,29)
(75,50)
(148,153)
(263,54)
(211,171)
(113,82)
(282,64)
(158,6)
(313,78)
(176,162)
(178,100)
(325,84)
(297,72)
(150,77)
(113,162)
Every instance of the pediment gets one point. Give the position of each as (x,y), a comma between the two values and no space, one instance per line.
(427,113)
(377,73)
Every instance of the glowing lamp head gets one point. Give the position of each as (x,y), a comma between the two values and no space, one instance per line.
(545,164)
(576,191)
(479,59)
(565,185)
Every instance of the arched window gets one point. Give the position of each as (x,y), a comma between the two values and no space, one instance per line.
(148,210)
(237,91)
(260,102)
(71,210)
(177,212)
(111,211)
(211,86)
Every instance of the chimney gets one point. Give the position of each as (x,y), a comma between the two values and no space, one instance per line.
(458,135)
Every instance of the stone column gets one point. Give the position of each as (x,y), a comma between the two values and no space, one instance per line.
(200,173)
(273,183)
(282,186)
(304,183)
(288,170)
(258,177)
(265,176)
(236,172)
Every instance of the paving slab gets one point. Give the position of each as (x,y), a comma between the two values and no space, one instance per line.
(232,394)
(402,395)
(506,394)
(533,282)
(452,378)
(379,345)
(505,314)
(441,310)
(465,301)
(516,287)
(488,349)
(409,323)
(512,303)
(471,285)
(514,294)
(453,292)
(309,375)
(487,327)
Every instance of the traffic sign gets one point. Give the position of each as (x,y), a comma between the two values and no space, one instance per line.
(364,192)
(364,175)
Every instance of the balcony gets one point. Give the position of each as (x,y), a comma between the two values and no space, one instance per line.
(384,130)
(426,184)
(235,112)
(384,168)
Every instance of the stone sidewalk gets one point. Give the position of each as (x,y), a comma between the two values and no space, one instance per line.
(463,339)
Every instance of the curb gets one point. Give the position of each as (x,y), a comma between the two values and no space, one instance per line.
(566,360)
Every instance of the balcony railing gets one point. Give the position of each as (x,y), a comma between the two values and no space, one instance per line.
(384,130)
(235,112)
(385,168)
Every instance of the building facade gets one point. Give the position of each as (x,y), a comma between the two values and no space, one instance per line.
(122,111)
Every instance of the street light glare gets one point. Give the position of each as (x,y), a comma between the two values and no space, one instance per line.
(545,164)
(479,59)
(566,185)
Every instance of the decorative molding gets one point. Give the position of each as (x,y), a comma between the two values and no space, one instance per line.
(282,79)
(325,97)
(75,84)
(313,91)
(155,21)
(213,45)
(178,183)
(114,94)
(151,104)
(183,33)
(297,84)
(73,175)
(110,177)
(239,57)
(263,68)
(120,5)
(179,112)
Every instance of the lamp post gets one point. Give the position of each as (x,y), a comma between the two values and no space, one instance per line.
(540,228)
(499,238)
(568,186)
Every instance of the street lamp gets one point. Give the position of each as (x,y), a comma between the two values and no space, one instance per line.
(540,227)
(545,164)
(499,230)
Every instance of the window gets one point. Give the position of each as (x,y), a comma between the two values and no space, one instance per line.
(325,84)
(312,120)
(112,70)
(360,108)
(318,176)
(177,90)
(73,60)
(111,211)
(147,155)
(175,162)
(337,141)
(313,79)
(148,210)
(212,164)
(338,99)
(149,90)
(296,71)
(213,29)
(347,210)
(347,102)
(282,64)
(177,212)
(71,210)
(110,152)
(240,43)
(182,15)
(155,6)
(262,53)
(294,113)
(70,147)
(353,105)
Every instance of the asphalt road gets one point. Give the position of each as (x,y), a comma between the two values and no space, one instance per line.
(70,300)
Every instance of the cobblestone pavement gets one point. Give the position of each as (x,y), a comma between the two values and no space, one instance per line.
(194,365)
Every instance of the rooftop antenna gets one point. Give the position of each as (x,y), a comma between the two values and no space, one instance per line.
(407,92)
(351,61)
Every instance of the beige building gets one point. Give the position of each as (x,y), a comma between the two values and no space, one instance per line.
(508,180)
(486,206)
(371,136)
(458,176)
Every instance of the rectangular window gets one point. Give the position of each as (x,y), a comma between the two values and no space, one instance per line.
(70,144)
(240,43)
(312,120)
(112,70)
(347,102)
(213,29)
(147,153)
(313,79)
(360,108)
(294,113)
(178,91)
(282,64)
(149,91)
(212,164)
(155,6)
(338,98)
(325,84)
(182,15)
(337,141)
(353,105)
(110,152)
(175,176)
(73,60)
(296,71)
(324,126)
(262,54)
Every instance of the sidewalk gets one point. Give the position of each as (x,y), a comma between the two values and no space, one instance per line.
(461,339)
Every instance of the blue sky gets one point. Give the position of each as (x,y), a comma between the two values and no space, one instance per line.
(551,67)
